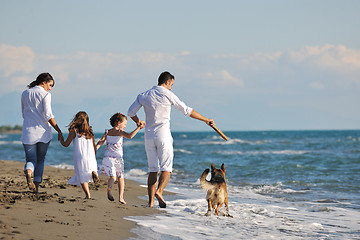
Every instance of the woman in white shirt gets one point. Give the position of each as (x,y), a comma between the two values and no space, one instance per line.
(36,130)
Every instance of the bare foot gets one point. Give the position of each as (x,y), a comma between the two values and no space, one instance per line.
(162,203)
(150,204)
(122,201)
(95,177)
(37,184)
(110,196)
(30,182)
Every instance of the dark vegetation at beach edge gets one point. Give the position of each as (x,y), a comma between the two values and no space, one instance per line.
(10,129)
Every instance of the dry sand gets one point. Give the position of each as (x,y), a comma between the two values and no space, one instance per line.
(59,210)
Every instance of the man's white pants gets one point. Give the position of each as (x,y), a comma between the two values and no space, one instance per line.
(160,154)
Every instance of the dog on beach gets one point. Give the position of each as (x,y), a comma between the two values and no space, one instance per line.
(216,189)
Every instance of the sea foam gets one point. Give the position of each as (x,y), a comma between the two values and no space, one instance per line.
(253,216)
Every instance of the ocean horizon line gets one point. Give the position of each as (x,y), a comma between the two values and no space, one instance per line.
(207,131)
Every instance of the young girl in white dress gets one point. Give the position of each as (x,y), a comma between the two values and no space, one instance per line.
(113,162)
(84,152)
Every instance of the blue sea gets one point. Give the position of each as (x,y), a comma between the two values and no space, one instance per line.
(281,184)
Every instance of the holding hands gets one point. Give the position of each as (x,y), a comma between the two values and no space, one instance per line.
(60,137)
(141,124)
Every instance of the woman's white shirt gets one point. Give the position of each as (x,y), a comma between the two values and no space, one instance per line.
(36,112)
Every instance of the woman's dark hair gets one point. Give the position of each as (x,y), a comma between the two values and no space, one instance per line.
(165,76)
(117,117)
(43,77)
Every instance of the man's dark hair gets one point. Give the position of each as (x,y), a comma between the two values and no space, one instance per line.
(165,76)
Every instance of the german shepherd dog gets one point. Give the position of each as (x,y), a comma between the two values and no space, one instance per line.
(216,189)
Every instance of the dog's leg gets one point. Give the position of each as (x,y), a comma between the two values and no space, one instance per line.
(217,208)
(209,204)
(227,207)
(209,207)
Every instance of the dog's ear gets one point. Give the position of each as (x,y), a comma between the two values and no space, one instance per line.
(212,167)
(223,167)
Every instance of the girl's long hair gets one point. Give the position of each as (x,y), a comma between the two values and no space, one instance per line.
(43,77)
(80,123)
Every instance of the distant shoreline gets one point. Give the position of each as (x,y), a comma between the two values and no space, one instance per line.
(11,132)
(303,130)
(8,129)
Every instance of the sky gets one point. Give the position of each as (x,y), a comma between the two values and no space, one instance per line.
(249,65)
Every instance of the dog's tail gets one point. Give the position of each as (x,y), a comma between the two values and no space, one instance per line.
(205,184)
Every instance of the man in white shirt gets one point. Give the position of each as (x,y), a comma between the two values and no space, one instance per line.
(157,104)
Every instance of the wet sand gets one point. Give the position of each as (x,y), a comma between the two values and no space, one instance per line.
(59,210)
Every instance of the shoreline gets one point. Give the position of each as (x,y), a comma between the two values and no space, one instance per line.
(60,211)
(12,132)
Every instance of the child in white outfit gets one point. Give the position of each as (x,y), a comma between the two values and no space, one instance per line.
(113,162)
(84,152)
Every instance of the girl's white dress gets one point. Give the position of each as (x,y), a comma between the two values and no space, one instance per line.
(113,162)
(84,160)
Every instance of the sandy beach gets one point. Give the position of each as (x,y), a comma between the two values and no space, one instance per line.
(59,210)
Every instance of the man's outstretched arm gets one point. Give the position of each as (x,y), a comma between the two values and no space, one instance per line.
(194,114)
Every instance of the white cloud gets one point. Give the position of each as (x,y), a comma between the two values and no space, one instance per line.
(334,65)
(224,78)
(86,64)
(329,57)
(108,81)
(185,53)
(316,86)
(15,59)
(91,70)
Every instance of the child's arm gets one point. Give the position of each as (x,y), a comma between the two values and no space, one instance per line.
(100,142)
(71,136)
(130,135)
(93,140)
